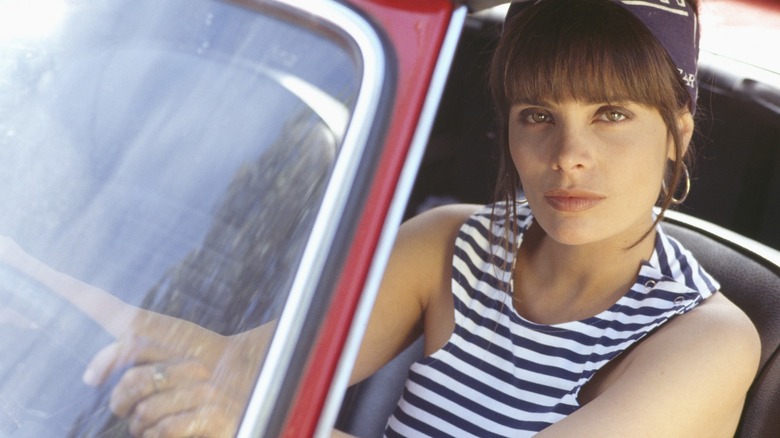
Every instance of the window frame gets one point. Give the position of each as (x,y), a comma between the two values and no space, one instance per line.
(315,275)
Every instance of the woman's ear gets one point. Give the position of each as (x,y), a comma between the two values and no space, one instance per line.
(685,126)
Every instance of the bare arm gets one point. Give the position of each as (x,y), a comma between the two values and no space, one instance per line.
(418,273)
(688,379)
(216,372)
(108,311)
(208,376)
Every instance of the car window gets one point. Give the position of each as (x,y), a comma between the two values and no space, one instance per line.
(742,30)
(172,154)
(735,182)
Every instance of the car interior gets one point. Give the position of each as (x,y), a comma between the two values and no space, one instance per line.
(736,193)
(729,220)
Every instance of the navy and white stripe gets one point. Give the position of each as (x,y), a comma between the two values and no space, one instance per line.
(502,375)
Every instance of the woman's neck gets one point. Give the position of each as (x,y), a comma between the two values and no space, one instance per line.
(556,283)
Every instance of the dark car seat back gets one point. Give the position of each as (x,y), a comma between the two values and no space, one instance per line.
(749,274)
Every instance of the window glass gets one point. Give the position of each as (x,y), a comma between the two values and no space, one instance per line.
(742,30)
(172,154)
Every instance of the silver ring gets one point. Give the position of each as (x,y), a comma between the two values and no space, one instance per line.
(159,376)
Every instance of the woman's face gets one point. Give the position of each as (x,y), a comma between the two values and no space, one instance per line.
(591,171)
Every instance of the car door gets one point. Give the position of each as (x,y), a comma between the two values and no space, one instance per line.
(227,163)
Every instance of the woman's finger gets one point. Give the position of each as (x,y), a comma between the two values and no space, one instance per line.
(146,381)
(199,402)
(99,368)
(125,352)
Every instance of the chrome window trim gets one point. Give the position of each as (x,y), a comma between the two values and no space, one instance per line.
(331,111)
(393,220)
(738,68)
(759,85)
(758,249)
(289,325)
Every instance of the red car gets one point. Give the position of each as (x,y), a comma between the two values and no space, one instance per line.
(235,162)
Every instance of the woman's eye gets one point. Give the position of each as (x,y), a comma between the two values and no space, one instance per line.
(613,116)
(534,117)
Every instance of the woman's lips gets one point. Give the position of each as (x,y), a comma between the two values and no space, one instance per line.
(572,200)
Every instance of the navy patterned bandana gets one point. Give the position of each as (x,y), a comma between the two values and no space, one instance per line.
(674,25)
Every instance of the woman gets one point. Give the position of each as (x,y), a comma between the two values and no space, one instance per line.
(571,313)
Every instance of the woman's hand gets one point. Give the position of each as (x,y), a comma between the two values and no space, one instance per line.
(179,379)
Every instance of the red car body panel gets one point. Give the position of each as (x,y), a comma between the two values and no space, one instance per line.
(416,30)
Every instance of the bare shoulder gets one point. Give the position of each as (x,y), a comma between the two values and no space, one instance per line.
(716,335)
(717,328)
(438,223)
(696,369)
(716,338)
(425,245)
(706,358)
(417,271)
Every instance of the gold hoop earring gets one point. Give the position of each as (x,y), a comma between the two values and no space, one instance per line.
(520,194)
(678,201)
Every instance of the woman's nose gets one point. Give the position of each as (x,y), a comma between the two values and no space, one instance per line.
(573,148)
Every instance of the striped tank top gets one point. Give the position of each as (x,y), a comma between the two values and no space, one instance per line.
(501,375)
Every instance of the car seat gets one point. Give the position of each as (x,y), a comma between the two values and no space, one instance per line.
(749,274)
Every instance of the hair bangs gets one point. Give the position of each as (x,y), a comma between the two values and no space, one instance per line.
(591,51)
(593,57)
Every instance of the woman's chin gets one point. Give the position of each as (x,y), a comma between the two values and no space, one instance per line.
(567,229)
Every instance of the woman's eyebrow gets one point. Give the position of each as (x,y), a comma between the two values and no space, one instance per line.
(531,102)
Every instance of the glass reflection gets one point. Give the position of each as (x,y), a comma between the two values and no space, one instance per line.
(159,179)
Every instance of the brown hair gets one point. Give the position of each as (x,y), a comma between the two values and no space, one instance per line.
(588,50)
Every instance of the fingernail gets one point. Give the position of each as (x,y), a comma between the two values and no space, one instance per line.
(89,377)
